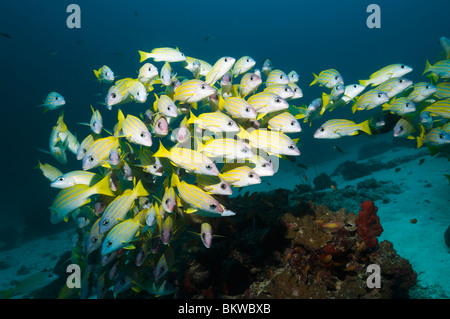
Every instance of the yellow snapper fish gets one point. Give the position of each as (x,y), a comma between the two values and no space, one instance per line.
(213,185)
(443,90)
(214,121)
(84,145)
(120,206)
(65,135)
(435,137)
(196,198)
(50,172)
(328,78)
(31,283)
(204,66)
(277,77)
(118,94)
(261,166)
(264,102)
(166,74)
(249,84)
(298,93)
(272,142)
(71,198)
(293,77)
(96,123)
(222,66)
(58,146)
(53,101)
(169,199)
(98,152)
(384,74)
(439,108)
(445,44)
(165,105)
(228,148)
(421,91)
(147,73)
(284,122)
(237,107)
(226,84)
(167,230)
(160,126)
(133,129)
(104,74)
(338,128)
(242,65)
(351,91)
(370,100)
(163,55)
(283,90)
(441,69)
(188,159)
(74,178)
(94,239)
(394,86)
(193,91)
(123,234)
(400,106)
(149,163)
(137,90)
(404,128)
(240,176)
(266,67)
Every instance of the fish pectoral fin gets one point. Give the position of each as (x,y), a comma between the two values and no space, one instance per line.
(190,210)
(130,246)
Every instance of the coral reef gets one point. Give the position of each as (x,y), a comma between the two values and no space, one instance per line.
(323,181)
(309,251)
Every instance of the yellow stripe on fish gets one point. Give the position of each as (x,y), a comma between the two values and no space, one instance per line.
(439,108)
(193,91)
(98,152)
(214,121)
(50,172)
(163,55)
(134,129)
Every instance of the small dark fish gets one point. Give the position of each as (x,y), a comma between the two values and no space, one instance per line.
(207,38)
(337,148)
(302,166)
(421,161)
(6,35)
(397,169)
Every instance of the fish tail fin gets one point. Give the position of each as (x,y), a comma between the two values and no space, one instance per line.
(192,118)
(120,118)
(102,187)
(175,181)
(419,141)
(365,127)
(140,190)
(221,103)
(364,82)
(326,100)
(428,66)
(97,74)
(354,107)
(315,79)
(144,55)
(162,151)
(155,104)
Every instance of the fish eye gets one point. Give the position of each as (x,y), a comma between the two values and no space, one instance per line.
(61,179)
(230,123)
(402,66)
(295,90)
(400,81)
(281,77)
(105,222)
(354,86)
(407,104)
(401,128)
(143,135)
(159,124)
(247,109)
(292,123)
(379,95)
(167,201)
(113,95)
(251,78)
(155,167)
(226,60)
(212,206)
(291,147)
(250,175)
(223,186)
(336,77)
(91,158)
(209,167)
(94,239)
(244,150)
(56,97)
(441,136)
(427,87)
(321,129)
(182,54)
(248,60)
(169,108)
(109,243)
(277,100)
(150,68)
(203,235)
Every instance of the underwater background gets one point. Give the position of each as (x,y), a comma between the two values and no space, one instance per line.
(41,54)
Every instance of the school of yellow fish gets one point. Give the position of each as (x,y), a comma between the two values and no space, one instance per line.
(197,138)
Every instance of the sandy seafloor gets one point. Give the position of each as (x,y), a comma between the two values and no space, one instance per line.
(425,198)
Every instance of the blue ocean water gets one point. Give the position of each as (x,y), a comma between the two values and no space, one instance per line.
(43,55)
